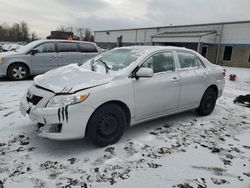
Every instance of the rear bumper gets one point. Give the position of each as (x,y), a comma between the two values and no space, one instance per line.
(71,120)
(220,84)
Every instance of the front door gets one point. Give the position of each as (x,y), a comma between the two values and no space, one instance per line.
(45,59)
(159,94)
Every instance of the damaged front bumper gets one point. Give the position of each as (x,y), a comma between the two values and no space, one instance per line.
(59,123)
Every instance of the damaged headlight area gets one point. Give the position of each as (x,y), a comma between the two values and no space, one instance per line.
(65,100)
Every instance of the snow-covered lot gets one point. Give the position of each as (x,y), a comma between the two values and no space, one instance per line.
(183,150)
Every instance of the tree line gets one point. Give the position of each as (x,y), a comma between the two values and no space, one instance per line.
(20,32)
(80,33)
(17,32)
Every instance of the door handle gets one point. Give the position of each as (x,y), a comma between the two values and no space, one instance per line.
(175,79)
(53,56)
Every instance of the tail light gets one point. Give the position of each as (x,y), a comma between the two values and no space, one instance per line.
(224,72)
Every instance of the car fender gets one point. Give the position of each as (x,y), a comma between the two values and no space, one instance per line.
(14,60)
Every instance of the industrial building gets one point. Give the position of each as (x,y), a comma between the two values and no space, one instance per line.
(226,43)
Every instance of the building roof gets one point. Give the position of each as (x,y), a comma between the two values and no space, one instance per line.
(173,26)
(185,34)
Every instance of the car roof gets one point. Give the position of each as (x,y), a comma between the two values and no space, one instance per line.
(61,40)
(156,48)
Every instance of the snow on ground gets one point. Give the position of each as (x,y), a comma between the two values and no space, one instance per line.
(183,150)
(10,46)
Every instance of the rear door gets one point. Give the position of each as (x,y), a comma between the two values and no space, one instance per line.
(68,53)
(193,79)
(159,94)
(45,59)
(87,50)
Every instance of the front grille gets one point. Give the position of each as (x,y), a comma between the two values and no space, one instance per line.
(34,99)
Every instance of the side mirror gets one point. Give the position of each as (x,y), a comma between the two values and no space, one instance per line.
(33,52)
(144,72)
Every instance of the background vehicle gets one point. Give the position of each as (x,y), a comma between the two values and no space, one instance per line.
(119,88)
(2,49)
(43,55)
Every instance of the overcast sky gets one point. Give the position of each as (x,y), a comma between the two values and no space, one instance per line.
(46,15)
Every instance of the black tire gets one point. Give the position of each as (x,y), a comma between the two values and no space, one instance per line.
(106,125)
(207,103)
(18,71)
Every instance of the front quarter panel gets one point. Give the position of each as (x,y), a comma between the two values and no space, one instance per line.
(16,59)
(119,90)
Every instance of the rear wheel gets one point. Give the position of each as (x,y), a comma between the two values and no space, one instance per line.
(106,125)
(18,71)
(207,103)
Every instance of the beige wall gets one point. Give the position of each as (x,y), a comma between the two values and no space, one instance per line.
(239,58)
(211,54)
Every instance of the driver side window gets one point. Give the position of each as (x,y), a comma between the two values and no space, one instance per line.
(45,48)
(161,62)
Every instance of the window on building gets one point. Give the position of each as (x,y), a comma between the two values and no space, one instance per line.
(187,60)
(228,53)
(204,51)
(161,62)
(67,47)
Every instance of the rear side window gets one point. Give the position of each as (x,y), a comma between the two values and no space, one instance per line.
(161,62)
(67,47)
(201,62)
(187,60)
(90,48)
(45,48)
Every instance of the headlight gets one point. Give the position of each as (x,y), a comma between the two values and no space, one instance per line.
(64,100)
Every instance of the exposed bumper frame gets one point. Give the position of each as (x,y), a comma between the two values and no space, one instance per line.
(73,127)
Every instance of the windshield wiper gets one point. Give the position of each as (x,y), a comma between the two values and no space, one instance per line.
(92,62)
(93,67)
(105,64)
(80,64)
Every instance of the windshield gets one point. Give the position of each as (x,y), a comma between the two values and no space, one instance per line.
(114,60)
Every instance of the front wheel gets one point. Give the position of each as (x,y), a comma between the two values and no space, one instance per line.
(106,125)
(18,71)
(207,103)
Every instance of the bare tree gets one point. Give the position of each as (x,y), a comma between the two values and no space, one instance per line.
(24,31)
(34,36)
(88,35)
(65,28)
(16,32)
(79,33)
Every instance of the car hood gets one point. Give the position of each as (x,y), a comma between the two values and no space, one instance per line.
(10,53)
(70,79)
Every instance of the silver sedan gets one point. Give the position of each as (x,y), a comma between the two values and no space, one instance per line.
(121,88)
